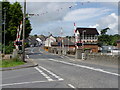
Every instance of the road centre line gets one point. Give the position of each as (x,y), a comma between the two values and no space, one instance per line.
(86,67)
(32,50)
(70,85)
(27,56)
(40,50)
(56,76)
(45,75)
(10,84)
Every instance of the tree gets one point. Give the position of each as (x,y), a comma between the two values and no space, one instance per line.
(14,16)
(108,39)
(104,31)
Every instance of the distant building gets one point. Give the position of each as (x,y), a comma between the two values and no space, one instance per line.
(107,49)
(49,40)
(63,44)
(118,44)
(87,38)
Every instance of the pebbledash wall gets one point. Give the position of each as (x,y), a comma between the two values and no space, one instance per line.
(110,58)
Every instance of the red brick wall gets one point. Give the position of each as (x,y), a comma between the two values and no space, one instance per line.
(118,45)
(93,47)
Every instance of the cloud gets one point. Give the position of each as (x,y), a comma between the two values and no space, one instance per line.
(53,13)
(65,0)
(110,21)
(85,14)
(48,11)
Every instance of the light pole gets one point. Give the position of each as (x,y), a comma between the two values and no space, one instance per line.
(4,28)
(24,17)
(83,37)
(68,42)
(49,39)
(62,46)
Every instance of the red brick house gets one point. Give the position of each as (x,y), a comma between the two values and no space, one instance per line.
(87,38)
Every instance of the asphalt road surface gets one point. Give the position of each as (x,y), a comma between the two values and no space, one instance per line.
(56,71)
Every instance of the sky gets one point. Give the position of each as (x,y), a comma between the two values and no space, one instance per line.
(57,17)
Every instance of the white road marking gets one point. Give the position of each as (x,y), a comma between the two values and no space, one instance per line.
(32,50)
(27,56)
(70,85)
(10,84)
(40,51)
(45,75)
(87,67)
(62,57)
(56,76)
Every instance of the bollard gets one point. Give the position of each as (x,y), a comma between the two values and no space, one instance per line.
(15,53)
(78,54)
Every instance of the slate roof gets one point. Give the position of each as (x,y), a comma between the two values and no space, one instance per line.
(89,31)
(66,42)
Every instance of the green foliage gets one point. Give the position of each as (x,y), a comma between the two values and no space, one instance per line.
(11,63)
(14,16)
(108,39)
(105,39)
(9,48)
(104,31)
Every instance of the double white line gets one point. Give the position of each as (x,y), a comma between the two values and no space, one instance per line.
(46,76)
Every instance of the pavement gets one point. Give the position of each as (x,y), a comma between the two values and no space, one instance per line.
(29,63)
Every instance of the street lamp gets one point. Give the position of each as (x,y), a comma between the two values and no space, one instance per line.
(83,32)
(49,39)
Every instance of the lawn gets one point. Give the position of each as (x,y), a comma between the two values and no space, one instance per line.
(11,62)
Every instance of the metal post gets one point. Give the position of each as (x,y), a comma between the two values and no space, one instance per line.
(83,38)
(68,44)
(62,47)
(4,29)
(48,40)
(24,17)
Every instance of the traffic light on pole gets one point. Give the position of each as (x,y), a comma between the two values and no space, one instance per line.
(79,44)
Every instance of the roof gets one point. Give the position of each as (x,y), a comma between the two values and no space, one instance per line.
(66,42)
(90,31)
(54,44)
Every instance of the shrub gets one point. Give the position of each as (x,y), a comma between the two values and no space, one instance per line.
(9,48)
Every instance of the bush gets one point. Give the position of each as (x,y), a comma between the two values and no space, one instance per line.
(9,48)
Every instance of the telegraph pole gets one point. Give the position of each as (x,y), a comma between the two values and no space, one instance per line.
(24,17)
(4,28)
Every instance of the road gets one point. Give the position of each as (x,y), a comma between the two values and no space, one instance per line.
(56,71)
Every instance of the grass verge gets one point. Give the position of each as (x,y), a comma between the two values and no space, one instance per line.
(11,62)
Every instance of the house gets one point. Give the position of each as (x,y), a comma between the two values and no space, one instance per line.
(32,41)
(49,40)
(64,45)
(118,44)
(42,38)
(87,38)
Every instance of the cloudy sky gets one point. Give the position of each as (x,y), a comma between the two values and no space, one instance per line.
(56,16)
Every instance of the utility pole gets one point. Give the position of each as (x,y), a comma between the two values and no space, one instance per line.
(24,17)
(62,46)
(4,28)
(68,42)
